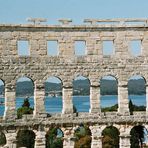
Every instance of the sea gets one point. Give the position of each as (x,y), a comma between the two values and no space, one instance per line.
(82,103)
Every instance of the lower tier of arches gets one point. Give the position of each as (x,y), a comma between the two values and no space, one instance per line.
(67,135)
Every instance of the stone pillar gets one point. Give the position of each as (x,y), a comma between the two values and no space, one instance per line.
(147,99)
(67,100)
(39,95)
(125,130)
(10,97)
(40,140)
(96,141)
(66,45)
(123,102)
(11,139)
(145,45)
(125,141)
(68,138)
(121,45)
(95,99)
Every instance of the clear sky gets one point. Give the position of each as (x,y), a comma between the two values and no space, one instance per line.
(16,11)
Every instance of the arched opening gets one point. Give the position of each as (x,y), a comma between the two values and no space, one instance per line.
(137,93)
(25,138)
(2,96)
(81,92)
(110,137)
(109,93)
(138,137)
(54,138)
(82,136)
(2,139)
(24,96)
(53,95)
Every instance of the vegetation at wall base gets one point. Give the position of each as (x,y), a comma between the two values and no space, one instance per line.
(110,137)
(137,137)
(2,139)
(53,139)
(82,137)
(25,138)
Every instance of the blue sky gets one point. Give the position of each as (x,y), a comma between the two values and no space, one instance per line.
(16,11)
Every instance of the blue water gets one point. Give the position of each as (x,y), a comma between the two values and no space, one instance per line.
(82,103)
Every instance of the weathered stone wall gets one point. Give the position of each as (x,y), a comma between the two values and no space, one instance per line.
(67,66)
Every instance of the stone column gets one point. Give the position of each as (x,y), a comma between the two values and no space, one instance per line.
(125,130)
(121,45)
(66,45)
(11,139)
(123,102)
(68,138)
(40,140)
(145,45)
(10,97)
(67,100)
(95,99)
(147,99)
(39,95)
(96,141)
(125,141)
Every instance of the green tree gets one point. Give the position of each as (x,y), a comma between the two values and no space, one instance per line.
(54,138)
(26,103)
(137,136)
(2,139)
(25,138)
(83,137)
(110,137)
(25,109)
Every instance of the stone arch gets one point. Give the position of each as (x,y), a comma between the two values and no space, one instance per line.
(110,125)
(110,137)
(109,93)
(53,94)
(83,136)
(81,93)
(3,139)
(137,75)
(25,138)
(54,137)
(115,76)
(137,93)
(25,93)
(27,75)
(2,97)
(138,136)
(58,77)
(81,74)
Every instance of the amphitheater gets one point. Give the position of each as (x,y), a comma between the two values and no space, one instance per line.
(67,65)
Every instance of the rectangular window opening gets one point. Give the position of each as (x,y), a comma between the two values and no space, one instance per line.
(52,48)
(23,48)
(135,48)
(80,48)
(108,48)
